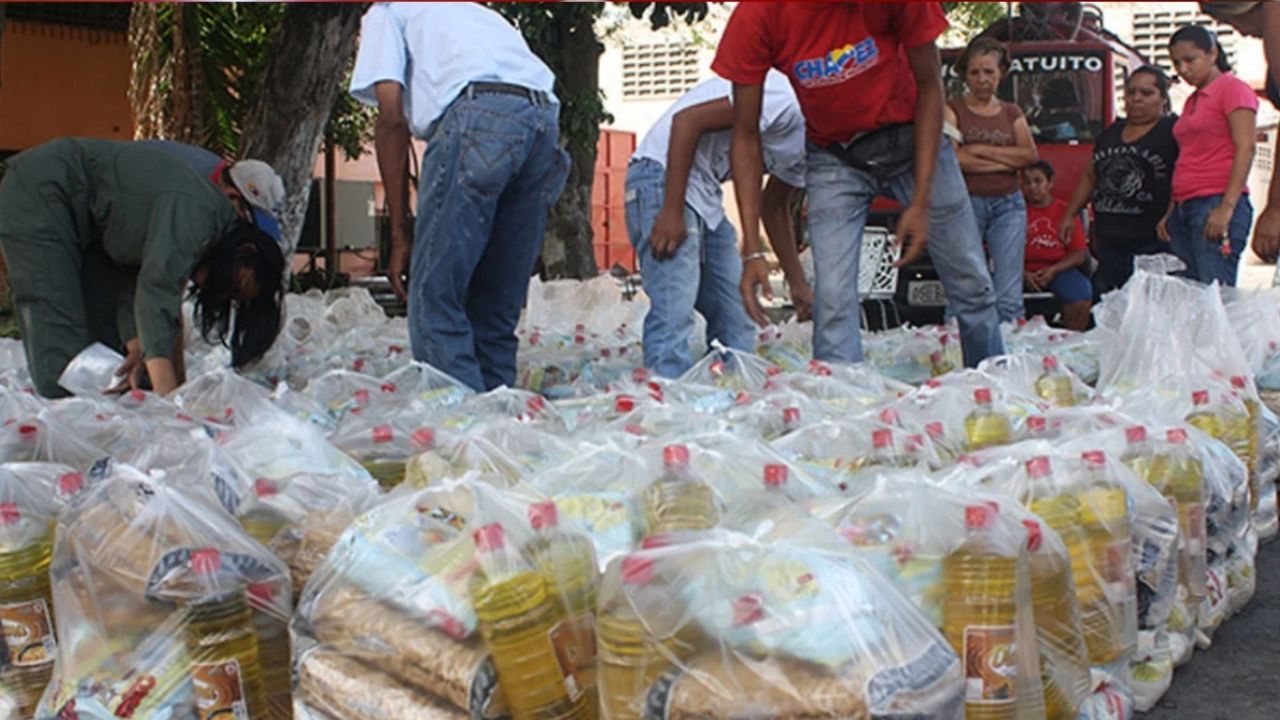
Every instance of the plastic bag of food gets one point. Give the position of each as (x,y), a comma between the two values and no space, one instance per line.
(719,624)
(729,369)
(777,412)
(383,444)
(224,398)
(164,604)
(433,595)
(1039,376)
(282,446)
(905,354)
(28,505)
(963,561)
(41,438)
(788,346)
(507,403)
(840,388)
(104,424)
(843,455)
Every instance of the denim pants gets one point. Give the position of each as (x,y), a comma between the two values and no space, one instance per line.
(1204,258)
(703,275)
(839,198)
(1002,223)
(492,169)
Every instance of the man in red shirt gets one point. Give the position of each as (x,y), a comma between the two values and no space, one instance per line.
(868,80)
(1050,265)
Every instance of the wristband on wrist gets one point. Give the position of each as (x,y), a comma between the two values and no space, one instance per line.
(753,256)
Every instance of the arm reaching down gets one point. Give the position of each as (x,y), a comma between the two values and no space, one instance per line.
(687,128)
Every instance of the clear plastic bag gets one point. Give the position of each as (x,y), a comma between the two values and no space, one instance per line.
(1038,376)
(789,624)
(845,455)
(92,372)
(729,369)
(163,604)
(41,438)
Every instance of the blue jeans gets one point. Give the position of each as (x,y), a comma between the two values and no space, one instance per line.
(1071,286)
(1002,222)
(492,168)
(839,198)
(1204,258)
(703,275)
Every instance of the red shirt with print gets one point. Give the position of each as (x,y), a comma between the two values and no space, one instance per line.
(846,61)
(1043,246)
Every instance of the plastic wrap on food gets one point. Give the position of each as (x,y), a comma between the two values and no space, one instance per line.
(105,424)
(788,346)
(42,438)
(224,398)
(504,447)
(165,608)
(905,354)
(382,444)
(282,446)
(478,598)
(777,412)
(92,372)
(720,624)
(507,403)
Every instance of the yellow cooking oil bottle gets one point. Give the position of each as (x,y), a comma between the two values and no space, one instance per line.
(1109,618)
(979,616)
(635,651)
(1182,478)
(678,500)
(1063,660)
(517,617)
(1054,385)
(222,644)
(26,611)
(567,562)
(984,427)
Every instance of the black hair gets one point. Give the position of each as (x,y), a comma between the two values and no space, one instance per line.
(1043,166)
(257,321)
(1203,38)
(1162,80)
(984,46)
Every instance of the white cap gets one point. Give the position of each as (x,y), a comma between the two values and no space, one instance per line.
(258,183)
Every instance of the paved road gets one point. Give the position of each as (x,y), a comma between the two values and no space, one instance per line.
(1239,677)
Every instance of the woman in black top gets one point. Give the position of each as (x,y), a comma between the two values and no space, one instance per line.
(1129,181)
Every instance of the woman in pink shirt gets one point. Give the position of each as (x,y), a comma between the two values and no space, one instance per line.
(1209,222)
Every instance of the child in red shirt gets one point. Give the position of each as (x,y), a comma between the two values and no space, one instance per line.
(1050,265)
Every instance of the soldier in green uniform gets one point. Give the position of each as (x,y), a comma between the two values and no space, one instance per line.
(102,238)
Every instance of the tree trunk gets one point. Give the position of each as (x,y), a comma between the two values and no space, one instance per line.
(574,56)
(308,61)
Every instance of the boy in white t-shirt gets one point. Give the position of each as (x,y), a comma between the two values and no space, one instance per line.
(688,250)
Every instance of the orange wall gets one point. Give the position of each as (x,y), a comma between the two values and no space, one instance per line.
(57,80)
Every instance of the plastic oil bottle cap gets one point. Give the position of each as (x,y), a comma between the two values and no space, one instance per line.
(624,403)
(1200,397)
(1177,436)
(1050,363)
(982,396)
(882,439)
(675,455)
(543,515)
(1135,434)
(980,517)
(1039,467)
(791,415)
(490,538)
(1037,423)
(637,570)
(934,429)
(423,438)
(206,561)
(775,475)
(9,513)
(1094,459)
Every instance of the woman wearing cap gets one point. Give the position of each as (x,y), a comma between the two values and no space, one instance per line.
(102,238)
(1211,216)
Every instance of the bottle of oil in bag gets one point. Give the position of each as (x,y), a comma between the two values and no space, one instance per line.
(26,611)
(1054,385)
(1242,429)
(222,644)
(1064,664)
(1204,418)
(567,562)
(517,616)
(979,616)
(1112,612)
(678,500)
(984,427)
(776,477)
(1184,486)
(631,657)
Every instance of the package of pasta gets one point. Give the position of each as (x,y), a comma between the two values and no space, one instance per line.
(767,621)
(461,598)
(995,584)
(164,608)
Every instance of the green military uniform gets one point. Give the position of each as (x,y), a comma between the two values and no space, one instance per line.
(101,238)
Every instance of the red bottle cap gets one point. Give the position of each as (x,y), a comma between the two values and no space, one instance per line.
(675,455)
(624,404)
(775,475)
(1094,459)
(637,570)
(1050,363)
(70,483)
(748,609)
(1035,535)
(1200,397)
(982,396)
(423,438)
(1135,434)
(881,439)
(934,430)
(265,487)
(543,515)
(1177,436)
(382,434)
(1238,382)
(1039,467)
(791,415)
(206,561)
(9,513)
(1037,424)
(980,517)
(489,537)
(889,416)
